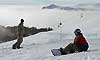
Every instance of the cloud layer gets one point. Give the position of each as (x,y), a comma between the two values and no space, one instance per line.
(32,2)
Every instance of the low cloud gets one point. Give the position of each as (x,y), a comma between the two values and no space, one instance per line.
(16,2)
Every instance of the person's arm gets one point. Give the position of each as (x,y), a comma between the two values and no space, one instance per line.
(76,40)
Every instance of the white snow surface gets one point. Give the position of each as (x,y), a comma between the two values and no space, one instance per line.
(38,47)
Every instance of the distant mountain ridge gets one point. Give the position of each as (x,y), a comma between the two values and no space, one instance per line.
(95,5)
(53,6)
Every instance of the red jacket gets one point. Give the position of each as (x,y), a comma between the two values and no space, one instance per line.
(80,40)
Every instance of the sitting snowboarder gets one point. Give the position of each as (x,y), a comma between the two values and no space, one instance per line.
(80,44)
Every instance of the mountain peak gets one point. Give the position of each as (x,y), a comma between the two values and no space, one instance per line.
(51,6)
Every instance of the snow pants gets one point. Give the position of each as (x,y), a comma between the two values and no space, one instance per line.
(19,41)
(70,48)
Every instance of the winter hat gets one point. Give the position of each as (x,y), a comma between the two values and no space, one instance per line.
(22,20)
(77,31)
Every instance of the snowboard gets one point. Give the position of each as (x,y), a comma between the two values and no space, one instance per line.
(56,52)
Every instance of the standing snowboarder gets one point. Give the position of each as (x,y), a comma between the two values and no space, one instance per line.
(20,32)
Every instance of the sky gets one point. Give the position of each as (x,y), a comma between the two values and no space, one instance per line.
(12,12)
(39,2)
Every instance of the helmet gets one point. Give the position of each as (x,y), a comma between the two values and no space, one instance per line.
(22,20)
(77,31)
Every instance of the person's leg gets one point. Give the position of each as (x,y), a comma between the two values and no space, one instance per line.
(62,52)
(20,41)
(68,49)
(16,44)
(75,48)
(71,48)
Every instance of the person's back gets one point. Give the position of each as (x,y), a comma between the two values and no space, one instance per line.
(20,28)
(80,41)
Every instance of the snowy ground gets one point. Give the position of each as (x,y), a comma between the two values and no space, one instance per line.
(38,47)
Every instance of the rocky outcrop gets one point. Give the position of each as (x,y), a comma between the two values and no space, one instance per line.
(10,33)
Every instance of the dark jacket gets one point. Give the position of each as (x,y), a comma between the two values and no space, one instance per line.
(20,29)
(81,42)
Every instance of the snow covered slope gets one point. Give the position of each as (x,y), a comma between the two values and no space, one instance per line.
(37,47)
